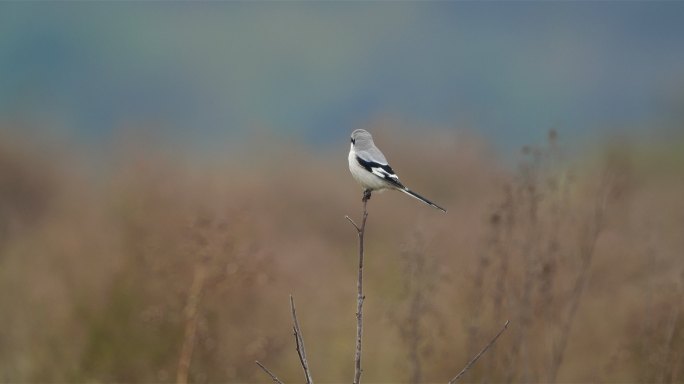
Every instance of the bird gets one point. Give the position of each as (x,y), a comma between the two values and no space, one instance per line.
(370,168)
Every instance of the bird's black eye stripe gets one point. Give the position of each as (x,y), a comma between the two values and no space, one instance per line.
(353,141)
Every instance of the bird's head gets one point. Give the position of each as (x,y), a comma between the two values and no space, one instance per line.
(360,138)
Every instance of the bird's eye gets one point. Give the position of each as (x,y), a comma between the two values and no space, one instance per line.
(353,141)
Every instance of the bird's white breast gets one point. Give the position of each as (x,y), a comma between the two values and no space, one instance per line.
(362,176)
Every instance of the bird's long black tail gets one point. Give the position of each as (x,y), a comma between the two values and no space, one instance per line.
(421,198)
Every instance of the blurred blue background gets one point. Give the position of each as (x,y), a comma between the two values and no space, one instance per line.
(207,72)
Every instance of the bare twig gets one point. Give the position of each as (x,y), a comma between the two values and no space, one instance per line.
(273,377)
(301,351)
(299,341)
(668,368)
(353,223)
(190,324)
(477,357)
(668,361)
(360,297)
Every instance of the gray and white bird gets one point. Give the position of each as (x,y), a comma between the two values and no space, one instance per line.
(370,168)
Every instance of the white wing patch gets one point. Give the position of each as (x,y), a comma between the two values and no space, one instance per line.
(384,174)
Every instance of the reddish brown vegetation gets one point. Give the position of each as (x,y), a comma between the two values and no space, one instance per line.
(108,272)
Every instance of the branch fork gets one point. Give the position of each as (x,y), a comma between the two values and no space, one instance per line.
(301,351)
(360,231)
(360,298)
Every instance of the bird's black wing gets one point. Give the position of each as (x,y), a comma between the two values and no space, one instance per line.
(383,171)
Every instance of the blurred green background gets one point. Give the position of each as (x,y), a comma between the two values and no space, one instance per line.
(171,171)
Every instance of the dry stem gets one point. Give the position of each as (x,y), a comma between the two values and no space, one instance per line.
(587,254)
(190,324)
(477,357)
(273,377)
(301,351)
(360,230)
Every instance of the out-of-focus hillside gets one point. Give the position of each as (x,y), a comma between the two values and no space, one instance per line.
(102,263)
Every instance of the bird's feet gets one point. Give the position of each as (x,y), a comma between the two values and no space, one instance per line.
(366,195)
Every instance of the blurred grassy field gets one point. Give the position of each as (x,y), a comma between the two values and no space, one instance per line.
(103,263)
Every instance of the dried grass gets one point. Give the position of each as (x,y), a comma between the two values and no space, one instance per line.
(97,266)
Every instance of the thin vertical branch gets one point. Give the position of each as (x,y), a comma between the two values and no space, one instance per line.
(587,250)
(190,324)
(668,361)
(299,341)
(360,296)
(530,204)
(301,351)
(477,357)
(273,377)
